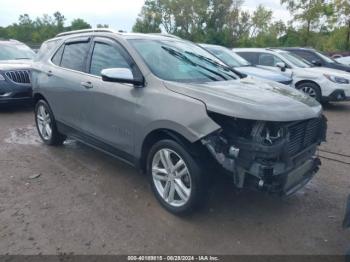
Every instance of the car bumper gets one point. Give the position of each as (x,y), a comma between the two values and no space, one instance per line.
(337,95)
(299,177)
(286,181)
(16,97)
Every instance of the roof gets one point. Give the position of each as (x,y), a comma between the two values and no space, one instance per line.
(211,45)
(297,48)
(10,41)
(74,32)
(277,50)
(104,31)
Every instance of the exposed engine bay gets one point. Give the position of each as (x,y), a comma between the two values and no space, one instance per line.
(277,157)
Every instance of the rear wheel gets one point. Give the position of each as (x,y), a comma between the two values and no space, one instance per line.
(46,125)
(311,89)
(176,179)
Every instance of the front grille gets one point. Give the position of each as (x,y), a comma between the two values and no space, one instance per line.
(304,134)
(19,76)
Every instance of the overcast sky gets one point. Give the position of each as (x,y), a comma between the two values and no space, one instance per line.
(118,14)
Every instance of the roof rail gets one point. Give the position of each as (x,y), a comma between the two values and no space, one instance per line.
(100,30)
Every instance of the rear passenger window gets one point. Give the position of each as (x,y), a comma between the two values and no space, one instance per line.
(106,56)
(249,56)
(57,57)
(74,55)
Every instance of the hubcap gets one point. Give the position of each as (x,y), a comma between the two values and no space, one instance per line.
(171,177)
(309,90)
(44,122)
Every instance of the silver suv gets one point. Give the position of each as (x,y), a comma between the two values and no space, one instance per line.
(176,112)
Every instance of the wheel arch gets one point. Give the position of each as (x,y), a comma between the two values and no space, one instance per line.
(37,97)
(160,134)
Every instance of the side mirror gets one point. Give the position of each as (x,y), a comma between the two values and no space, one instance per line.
(121,75)
(316,62)
(281,66)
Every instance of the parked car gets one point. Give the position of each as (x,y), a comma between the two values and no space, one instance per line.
(323,84)
(344,60)
(243,66)
(317,58)
(175,111)
(15,59)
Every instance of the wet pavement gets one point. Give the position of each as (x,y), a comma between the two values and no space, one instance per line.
(73,199)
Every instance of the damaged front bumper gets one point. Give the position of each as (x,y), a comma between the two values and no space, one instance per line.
(281,168)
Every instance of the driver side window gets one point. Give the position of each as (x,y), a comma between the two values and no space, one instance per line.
(106,56)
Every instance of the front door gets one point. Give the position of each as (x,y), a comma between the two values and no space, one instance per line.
(114,105)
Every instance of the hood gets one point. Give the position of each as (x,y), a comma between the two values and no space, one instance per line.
(330,71)
(263,73)
(250,99)
(15,64)
(316,72)
(341,66)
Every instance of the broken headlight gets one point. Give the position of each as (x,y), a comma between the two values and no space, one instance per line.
(267,133)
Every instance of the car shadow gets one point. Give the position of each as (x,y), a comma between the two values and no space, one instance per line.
(338,106)
(18,108)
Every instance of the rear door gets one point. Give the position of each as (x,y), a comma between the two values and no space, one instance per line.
(68,93)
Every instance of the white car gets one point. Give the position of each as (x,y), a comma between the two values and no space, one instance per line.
(344,60)
(324,84)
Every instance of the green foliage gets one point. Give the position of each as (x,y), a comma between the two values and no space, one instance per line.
(324,24)
(40,29)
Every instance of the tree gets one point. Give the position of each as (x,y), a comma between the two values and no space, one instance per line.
(102,26)
(261,20)
(308,12)
(78,24)
(59,18)
(343,13)
(149,20)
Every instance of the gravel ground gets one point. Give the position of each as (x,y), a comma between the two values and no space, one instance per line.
(72,199)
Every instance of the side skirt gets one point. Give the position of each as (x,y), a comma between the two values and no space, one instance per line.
(97,144)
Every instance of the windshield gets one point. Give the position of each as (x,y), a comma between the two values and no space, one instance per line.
(228,56)
(14,52)
(295,60)
(181,61)
(326,58)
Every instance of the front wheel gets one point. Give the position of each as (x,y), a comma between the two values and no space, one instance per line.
(311,89)
(46,125)
(176,178)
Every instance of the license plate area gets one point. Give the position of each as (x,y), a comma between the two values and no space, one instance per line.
(298,176)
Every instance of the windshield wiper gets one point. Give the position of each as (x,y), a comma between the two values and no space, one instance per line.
(186,59)
(22,58)
(224,67)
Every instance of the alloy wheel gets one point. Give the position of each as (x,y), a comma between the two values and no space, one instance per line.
(309,91)
(44,122)
(171,177)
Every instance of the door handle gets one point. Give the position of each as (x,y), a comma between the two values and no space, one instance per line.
(87,85)
(49,73)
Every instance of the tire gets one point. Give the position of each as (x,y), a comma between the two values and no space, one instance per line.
(185,191)
(46,124)
(311,89)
